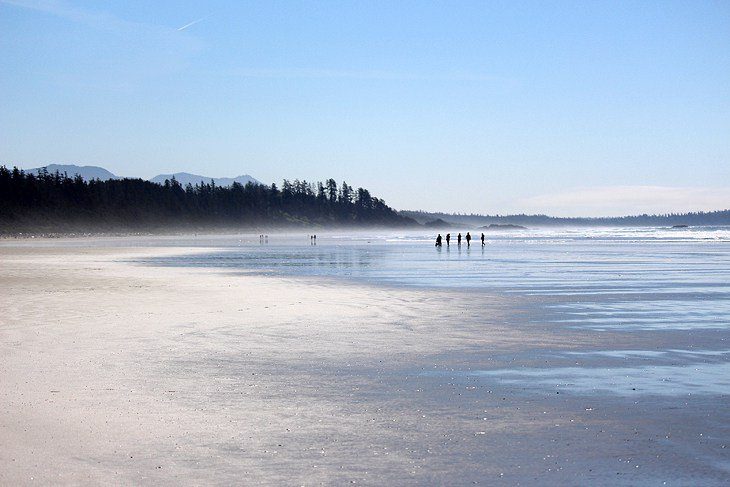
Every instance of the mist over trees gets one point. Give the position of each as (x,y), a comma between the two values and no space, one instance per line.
(48,202)
(668,219)
(55,203)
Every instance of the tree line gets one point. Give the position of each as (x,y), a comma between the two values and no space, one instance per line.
(53,202)
(709,218)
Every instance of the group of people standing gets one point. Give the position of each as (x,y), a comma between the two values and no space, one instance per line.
(458,239)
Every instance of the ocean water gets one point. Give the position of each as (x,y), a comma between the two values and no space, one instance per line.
(602,261)
(673,283)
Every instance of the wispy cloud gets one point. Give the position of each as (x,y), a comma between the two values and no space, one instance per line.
(623,200)
(99,19)
(95,19)
(140,50)
(190,24)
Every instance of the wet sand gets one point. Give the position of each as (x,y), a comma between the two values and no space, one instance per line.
(114,372)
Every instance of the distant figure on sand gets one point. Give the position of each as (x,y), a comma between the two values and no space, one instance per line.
(438,241)
(448,239)
(468,239)
(482,239)
(458,239)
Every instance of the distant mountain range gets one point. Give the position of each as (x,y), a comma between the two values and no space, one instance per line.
(86,172)
(185,178)
(94,172)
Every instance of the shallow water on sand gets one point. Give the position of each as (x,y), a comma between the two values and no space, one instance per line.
(554,262)
(629,373)
(628,281)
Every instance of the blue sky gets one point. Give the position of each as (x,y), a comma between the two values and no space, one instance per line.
(571,108)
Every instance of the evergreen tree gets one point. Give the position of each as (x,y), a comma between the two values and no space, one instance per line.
(55,202)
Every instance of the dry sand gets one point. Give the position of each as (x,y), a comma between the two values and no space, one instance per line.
(113,372)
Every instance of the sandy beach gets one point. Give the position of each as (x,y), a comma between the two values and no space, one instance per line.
(115,372)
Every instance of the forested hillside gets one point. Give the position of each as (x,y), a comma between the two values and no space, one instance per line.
(56,203)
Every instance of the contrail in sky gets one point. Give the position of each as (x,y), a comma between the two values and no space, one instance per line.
(193,22)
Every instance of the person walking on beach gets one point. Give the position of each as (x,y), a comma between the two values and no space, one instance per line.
(448,239)
(482,239)
(458,239)
(468,239)
(438,240)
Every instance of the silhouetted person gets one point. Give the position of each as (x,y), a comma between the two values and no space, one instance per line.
(458,239)
(482,239)
(448,239)
(468,239)
(438,240)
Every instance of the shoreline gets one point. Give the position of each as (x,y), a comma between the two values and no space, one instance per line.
(497,229)
(124,373)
